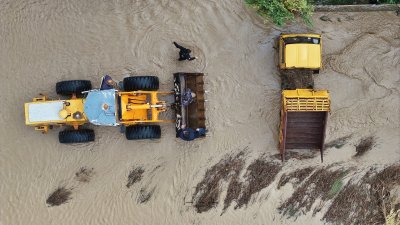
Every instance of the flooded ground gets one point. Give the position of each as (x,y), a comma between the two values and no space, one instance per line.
(42,42)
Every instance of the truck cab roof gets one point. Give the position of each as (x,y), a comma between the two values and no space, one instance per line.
(301,51)
(303,56)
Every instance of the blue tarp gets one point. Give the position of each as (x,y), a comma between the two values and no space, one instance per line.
(100,107)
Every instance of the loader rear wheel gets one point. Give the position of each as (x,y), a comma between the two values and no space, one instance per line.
(70,87)
(76,136)
(138,132)
(141,83)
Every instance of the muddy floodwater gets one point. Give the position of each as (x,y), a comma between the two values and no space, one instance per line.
(46,41)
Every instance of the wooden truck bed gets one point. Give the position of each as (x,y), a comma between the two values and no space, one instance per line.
(304,117)
(304,130)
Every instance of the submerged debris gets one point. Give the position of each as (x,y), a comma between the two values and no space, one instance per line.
(297,155)
(207,191)
(84,174)
(350,207)
(259,175)
(134,176)
(295,177)
(144,195)
(233,192)
(338,143)
(365,145)
(60,196)
(318,185)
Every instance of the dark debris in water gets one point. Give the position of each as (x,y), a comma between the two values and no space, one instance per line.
(318,185)
(364,146)
(364,202)
(295,177)
(338,143)
(144,195)
(60,196)
(208,190)
(298,155)
(84,174)
(135,176)
(259,175)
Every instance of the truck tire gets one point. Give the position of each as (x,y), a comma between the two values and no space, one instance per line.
(138,132)
(76,136)
(141,83)
(70,87)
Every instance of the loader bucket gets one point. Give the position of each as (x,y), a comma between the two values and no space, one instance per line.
(190,116)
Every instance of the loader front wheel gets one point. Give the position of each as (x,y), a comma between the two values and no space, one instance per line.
(70,87)
(138,132)
(76,136)
(141,83)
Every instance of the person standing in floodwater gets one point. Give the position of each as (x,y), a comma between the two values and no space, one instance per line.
(184,53)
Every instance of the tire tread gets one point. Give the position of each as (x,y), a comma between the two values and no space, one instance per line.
(139,132)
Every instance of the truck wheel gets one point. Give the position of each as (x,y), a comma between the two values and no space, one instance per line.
(138,132)
(76,136)
(141,83)
(70,87)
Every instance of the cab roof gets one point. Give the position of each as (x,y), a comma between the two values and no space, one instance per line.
(303,55)
(301,35)
(100,107)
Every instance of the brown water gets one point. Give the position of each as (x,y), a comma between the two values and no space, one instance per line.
(42,42)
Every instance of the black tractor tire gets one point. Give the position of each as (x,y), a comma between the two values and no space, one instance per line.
(138,132)
(141,83)
(76,136)
(70,87)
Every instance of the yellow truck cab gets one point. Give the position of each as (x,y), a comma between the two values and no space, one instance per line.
(300,51)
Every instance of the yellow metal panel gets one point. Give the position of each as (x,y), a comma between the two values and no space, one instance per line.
(302,35)
(303,56)
(293,57)
(305,100)
(129,99)
(142,107)
(75,105)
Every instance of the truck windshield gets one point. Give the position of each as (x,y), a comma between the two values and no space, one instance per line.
(302,40)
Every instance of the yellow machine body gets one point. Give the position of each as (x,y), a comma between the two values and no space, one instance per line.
(41,113)
(300,52)
(141,107)
(133,107)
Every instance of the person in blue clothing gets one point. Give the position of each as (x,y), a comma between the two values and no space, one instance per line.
(108,83)
(188,134)
(188,97)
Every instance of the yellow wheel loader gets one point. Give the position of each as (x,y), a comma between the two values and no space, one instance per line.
(133,104)
(304,111)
